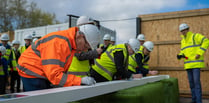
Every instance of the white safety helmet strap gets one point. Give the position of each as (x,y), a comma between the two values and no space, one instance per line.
(92,34)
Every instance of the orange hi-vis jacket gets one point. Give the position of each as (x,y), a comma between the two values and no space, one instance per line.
(50,57)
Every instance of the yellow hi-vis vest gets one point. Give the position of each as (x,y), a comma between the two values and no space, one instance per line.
(191,45)
(132,62)
(14,62)
(145,64)
(22,49)
(79,68)
(7,54)
(100,45)
(1,70)
(105,66)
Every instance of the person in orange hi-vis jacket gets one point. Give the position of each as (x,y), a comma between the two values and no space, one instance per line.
(46,61)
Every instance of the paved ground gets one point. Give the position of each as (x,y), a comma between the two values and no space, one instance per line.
(188,100)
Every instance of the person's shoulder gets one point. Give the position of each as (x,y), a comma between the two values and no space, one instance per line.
(3,59)
(21,47)
(8,46)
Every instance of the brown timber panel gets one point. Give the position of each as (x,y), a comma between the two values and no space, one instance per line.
(163,30)
(183,81)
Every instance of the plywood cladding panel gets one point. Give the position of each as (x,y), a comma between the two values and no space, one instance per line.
(163,30)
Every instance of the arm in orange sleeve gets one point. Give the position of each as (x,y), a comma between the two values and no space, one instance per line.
(54,56)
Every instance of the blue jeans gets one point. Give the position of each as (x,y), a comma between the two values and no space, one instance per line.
(195,84)
(31,84)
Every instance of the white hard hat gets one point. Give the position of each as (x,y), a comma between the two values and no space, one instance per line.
(15,42)
(141,37)
(5,37)
(28,37)
(134,43)
(149,45)
(3,50)
(183,26)
(84,20)
(107,37)
(35,39)
(112,38)
(92,34)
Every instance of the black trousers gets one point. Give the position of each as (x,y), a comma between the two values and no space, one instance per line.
(2,85)
(97,77)
(15,77)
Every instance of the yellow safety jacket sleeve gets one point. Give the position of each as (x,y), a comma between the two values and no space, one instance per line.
(204,43)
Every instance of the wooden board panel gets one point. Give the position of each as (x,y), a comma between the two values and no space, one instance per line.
(183,80)
(168,30)
(167,56)
(163,30)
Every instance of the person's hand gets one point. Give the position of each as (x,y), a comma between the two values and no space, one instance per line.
(181,56)
(153,72)
(137,75)
(197,56)
(99,50)
(88,81)
(178,56)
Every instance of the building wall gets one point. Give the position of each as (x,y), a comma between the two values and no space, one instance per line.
(43,30)
(163,30)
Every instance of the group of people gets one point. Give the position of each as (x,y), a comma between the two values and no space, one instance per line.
(74,57)
(71,57)
(9,58)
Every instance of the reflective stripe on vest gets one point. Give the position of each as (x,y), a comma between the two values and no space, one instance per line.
(194,61)
(53,61)
(29,72)
(79,73)
(79,68)
(105,66)
(132,63)
(34,46)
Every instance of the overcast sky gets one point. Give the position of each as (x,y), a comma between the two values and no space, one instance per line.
(116,10)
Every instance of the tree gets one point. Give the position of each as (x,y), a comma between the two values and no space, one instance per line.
(18,14)
(5,15)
